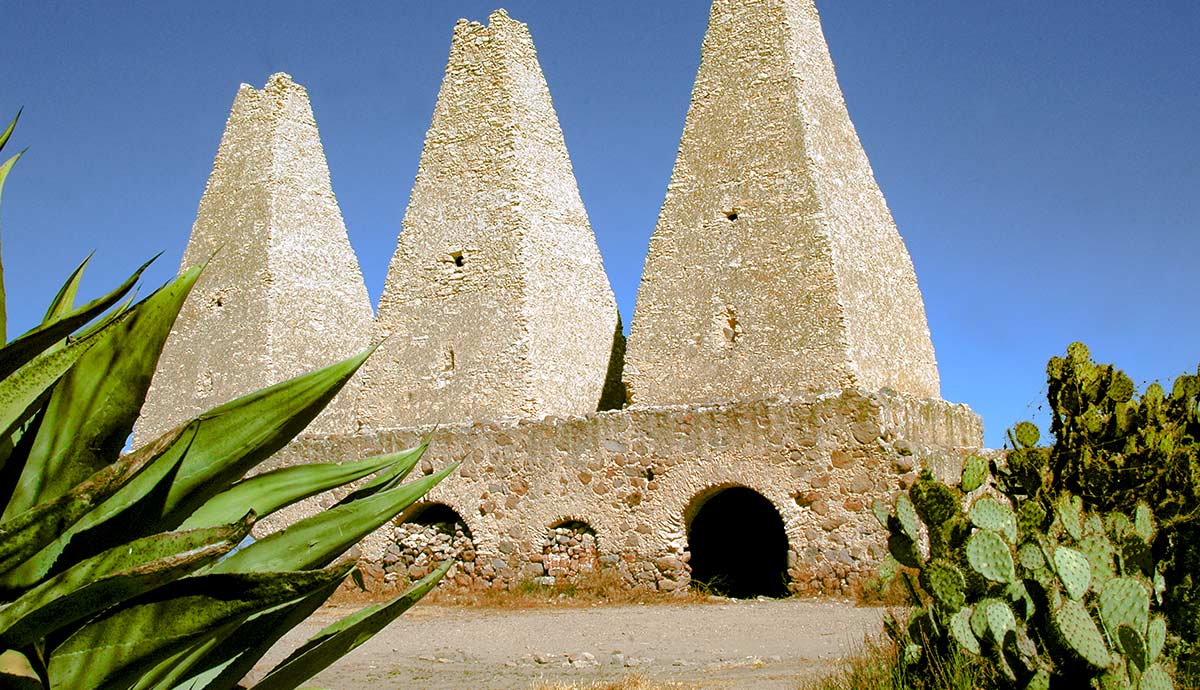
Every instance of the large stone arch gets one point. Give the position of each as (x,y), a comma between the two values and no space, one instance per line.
(737,541)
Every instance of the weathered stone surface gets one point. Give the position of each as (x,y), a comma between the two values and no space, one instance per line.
(496,303)
(775,267)
(564,523)
(283,293)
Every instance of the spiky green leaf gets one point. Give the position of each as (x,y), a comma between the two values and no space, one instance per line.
(317,540)
(114,576)
(116,649)
(270,491)
(64,301)
(335,641)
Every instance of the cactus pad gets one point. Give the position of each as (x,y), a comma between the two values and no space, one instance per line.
(1098,551)
(1030,517)
(1133,645)
(1143,523)
(935,502)
(882,512)
(1124,601)
(1156,637)
(1155,678)
(974,473)
(960,628)
(1080,633)
(1118,526)
(1027,434)
(1030,556)
(907,517)
(945,582)
(979,619)
(1070,514)
(990,556)
(988,513)
(1040,681)
(904,550)
(1073,570)
(1000,620)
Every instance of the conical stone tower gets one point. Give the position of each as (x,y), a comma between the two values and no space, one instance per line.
(496,304)
(776,266)
(283,294)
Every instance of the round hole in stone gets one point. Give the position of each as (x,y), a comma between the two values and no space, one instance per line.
(738,544)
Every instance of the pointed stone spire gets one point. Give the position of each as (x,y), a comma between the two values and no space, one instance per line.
(776,266)
(283,294)
(496,304)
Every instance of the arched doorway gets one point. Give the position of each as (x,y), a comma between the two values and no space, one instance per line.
(426,535)
(738,544)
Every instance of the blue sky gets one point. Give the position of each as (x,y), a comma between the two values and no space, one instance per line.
(1042,160)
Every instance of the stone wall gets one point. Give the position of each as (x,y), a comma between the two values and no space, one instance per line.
(635,478)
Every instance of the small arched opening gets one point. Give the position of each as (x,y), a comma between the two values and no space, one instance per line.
(570,549)
(738,544)
(427,535)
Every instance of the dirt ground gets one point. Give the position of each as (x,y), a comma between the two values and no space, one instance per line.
(725,644)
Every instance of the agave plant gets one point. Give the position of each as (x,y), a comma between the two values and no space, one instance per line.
(123,571)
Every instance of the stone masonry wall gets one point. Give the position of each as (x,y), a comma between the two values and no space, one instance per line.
(633,476)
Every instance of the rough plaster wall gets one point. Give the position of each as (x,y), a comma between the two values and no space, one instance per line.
(635,476)
(888,333)
(283,294)
(746,285)
(529,315)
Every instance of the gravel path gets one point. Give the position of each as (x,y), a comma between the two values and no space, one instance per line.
(759,644)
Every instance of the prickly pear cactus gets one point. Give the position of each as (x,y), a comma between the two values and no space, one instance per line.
(1047,592)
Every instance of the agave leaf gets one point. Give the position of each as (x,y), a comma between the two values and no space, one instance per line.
(65,299)
(390,479)
(94,406)
(114,576)
(11,126)
(227,442)
(26,534)
(20,391)
(316,541)
(18,352)
(238,652)
(270,491)
(116,649)
(16,673)
(6,167)
(338,639)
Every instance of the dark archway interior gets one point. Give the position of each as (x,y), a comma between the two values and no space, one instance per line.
(436,514)
(738,545)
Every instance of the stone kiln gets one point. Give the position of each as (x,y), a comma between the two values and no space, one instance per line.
(780,372)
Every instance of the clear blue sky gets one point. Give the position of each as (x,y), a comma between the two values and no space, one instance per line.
(1042,159)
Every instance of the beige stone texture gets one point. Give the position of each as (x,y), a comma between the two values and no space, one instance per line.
(496,304)
(776,266)
(283,293)
(637,476)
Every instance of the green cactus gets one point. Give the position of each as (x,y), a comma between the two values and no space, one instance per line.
(934,502)
(907,517)
(1124,601)
(974,473)
(1073,570)
(1000,620)
(960,628)
(1131,643)
(945,582)
(1156,636)
(1070,515)
(988,513)
(1026,435)
(990,556)
(1080,633)
(1155,678)
(1143,523)
(1030,556)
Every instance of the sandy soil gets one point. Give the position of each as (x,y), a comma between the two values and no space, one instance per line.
(728,644)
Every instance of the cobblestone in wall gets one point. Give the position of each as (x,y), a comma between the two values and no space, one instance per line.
(636,476)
